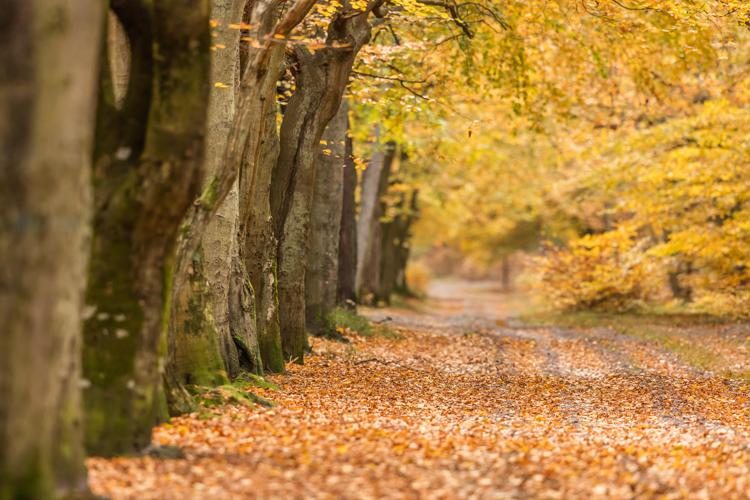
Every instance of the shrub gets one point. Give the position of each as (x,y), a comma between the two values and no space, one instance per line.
(418,278)
(606,272)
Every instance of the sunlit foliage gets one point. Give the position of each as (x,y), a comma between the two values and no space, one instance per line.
(569,119)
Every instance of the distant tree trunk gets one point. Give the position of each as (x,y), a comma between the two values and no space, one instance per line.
(679,289)
(369,227)
(204,352)
(320,82)
(404,250)
(148,156)
(346,295)
(325,219)
(505,278)
(394,250)
(368,207)
(48,55)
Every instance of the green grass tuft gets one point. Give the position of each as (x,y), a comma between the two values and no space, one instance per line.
(344,318)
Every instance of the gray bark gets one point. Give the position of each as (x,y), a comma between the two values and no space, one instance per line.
(394,251)
(204,352)
(346,295)
(258,245)
(241,136)
(320,83)
(321,276)
(48,56)
(118,55)
(369,228)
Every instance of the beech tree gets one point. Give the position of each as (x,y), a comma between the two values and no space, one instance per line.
(369,229)
(48,55)
(346,294)
(148,155)
(214,226)
(321,77)
(321,275)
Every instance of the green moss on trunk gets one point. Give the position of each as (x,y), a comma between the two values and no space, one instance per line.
(270,337)
(119,404)
(198,359)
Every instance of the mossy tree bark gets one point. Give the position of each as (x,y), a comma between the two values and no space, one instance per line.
(346,293)
(321,79)
(148,156)
(205,291)
(48,55)
(203,351)
(321,275)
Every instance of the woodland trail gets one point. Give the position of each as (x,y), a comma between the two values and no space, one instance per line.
(467,404)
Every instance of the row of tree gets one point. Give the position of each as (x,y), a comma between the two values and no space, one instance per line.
(178,206)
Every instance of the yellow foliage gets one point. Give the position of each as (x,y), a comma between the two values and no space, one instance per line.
(686,184)
(418,278)
(601,272)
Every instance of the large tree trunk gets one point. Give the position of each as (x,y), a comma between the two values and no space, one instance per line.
(204,352)
(346,295)
(321,275)
(258,245)
(229,291)
(48,55)
(148,156)
(369,227)
(320,82)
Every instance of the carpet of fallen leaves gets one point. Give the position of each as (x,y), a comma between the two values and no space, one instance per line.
(460,407)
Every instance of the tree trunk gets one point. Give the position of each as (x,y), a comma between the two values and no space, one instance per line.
(48,52)
(676,278)
(394,251)
(325,218)
(258,243)
(346,295)
(148,156)
(402,284)
(204,353)
(505,277)
(369,227)
(320,83)
(229,292)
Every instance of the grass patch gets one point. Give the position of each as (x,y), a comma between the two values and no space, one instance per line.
(412,303)
(591,319)
(650,326)
(386,332)
(689,352)
(348,320)
(239,392)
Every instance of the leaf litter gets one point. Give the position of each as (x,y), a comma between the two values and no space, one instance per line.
(442,412)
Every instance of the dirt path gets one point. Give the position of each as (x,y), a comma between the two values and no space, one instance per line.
(467,404)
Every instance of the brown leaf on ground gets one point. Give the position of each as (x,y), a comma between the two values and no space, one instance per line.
(446,413)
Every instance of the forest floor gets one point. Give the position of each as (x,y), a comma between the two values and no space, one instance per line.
(453,398)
